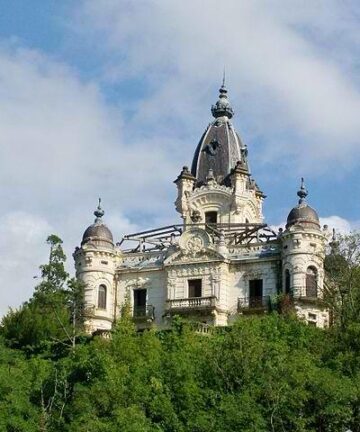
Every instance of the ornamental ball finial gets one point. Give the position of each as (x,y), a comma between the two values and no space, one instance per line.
(302,192)
(99,212)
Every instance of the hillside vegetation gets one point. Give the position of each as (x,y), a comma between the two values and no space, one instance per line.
(265,373)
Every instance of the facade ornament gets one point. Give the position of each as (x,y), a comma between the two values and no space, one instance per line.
(194,241)
(196,216)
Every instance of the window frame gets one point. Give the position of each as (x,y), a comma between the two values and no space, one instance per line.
(189,281)
(102,297)
(311,282)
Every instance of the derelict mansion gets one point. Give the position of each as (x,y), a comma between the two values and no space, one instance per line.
(222,261)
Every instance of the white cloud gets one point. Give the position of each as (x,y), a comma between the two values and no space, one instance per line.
(341,225)
(22,250)
(62,146)
(289,84)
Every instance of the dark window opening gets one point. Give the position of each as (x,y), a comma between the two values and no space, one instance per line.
(311,282)
(194,288)
(102,297)
(255,292)
(211,218)
(312,323)
(140,302)
(287,282)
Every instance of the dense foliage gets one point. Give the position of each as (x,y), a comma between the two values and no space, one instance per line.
(266,373)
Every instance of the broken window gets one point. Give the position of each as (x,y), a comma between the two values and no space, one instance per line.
(255,292)
(194,287)
(140,302)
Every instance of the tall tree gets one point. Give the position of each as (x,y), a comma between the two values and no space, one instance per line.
(54,314)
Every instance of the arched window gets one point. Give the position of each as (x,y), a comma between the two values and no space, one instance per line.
(102,297)
(311,282)
(287,282)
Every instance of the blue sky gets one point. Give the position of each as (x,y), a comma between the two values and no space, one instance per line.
(110,97)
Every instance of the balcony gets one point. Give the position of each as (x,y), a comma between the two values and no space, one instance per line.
(144,313)
(312,300)
(191,305)
(249,305)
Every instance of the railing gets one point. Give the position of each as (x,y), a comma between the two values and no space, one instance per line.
(191,303)
(248,303)
(144,312)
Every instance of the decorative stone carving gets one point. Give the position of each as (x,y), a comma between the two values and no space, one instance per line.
(194,241)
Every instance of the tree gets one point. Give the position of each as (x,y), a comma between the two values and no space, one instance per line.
(54,314)
(342,282)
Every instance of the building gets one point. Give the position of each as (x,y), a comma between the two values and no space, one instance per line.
(221,261)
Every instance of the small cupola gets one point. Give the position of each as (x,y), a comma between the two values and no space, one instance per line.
(303,214)
(98,233)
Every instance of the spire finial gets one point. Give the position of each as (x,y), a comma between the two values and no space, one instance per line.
(302,192)
(222,108)
(99,212)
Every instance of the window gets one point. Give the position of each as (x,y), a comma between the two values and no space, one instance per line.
(287,282)
(102,297)
(255,292)
(194,287)
(211,218)
(312,323)
(140,302)
(311,282)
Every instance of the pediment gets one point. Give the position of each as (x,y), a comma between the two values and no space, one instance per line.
(181,256)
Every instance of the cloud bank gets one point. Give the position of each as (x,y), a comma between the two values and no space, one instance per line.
(124,130)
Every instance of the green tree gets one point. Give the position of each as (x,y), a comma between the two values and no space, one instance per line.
(54,314)
(342,282)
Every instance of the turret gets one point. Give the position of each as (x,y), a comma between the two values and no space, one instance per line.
(247,197)
(185,184)
(95,266)
(303,253)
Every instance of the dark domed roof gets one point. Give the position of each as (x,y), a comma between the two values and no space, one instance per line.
(303,214)
(98,233)
(220,147)
(98,230)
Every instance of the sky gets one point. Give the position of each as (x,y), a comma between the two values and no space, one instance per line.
(110,97)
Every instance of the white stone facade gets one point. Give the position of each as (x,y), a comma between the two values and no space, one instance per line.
(222,261)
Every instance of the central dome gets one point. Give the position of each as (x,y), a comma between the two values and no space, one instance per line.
(220,147)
